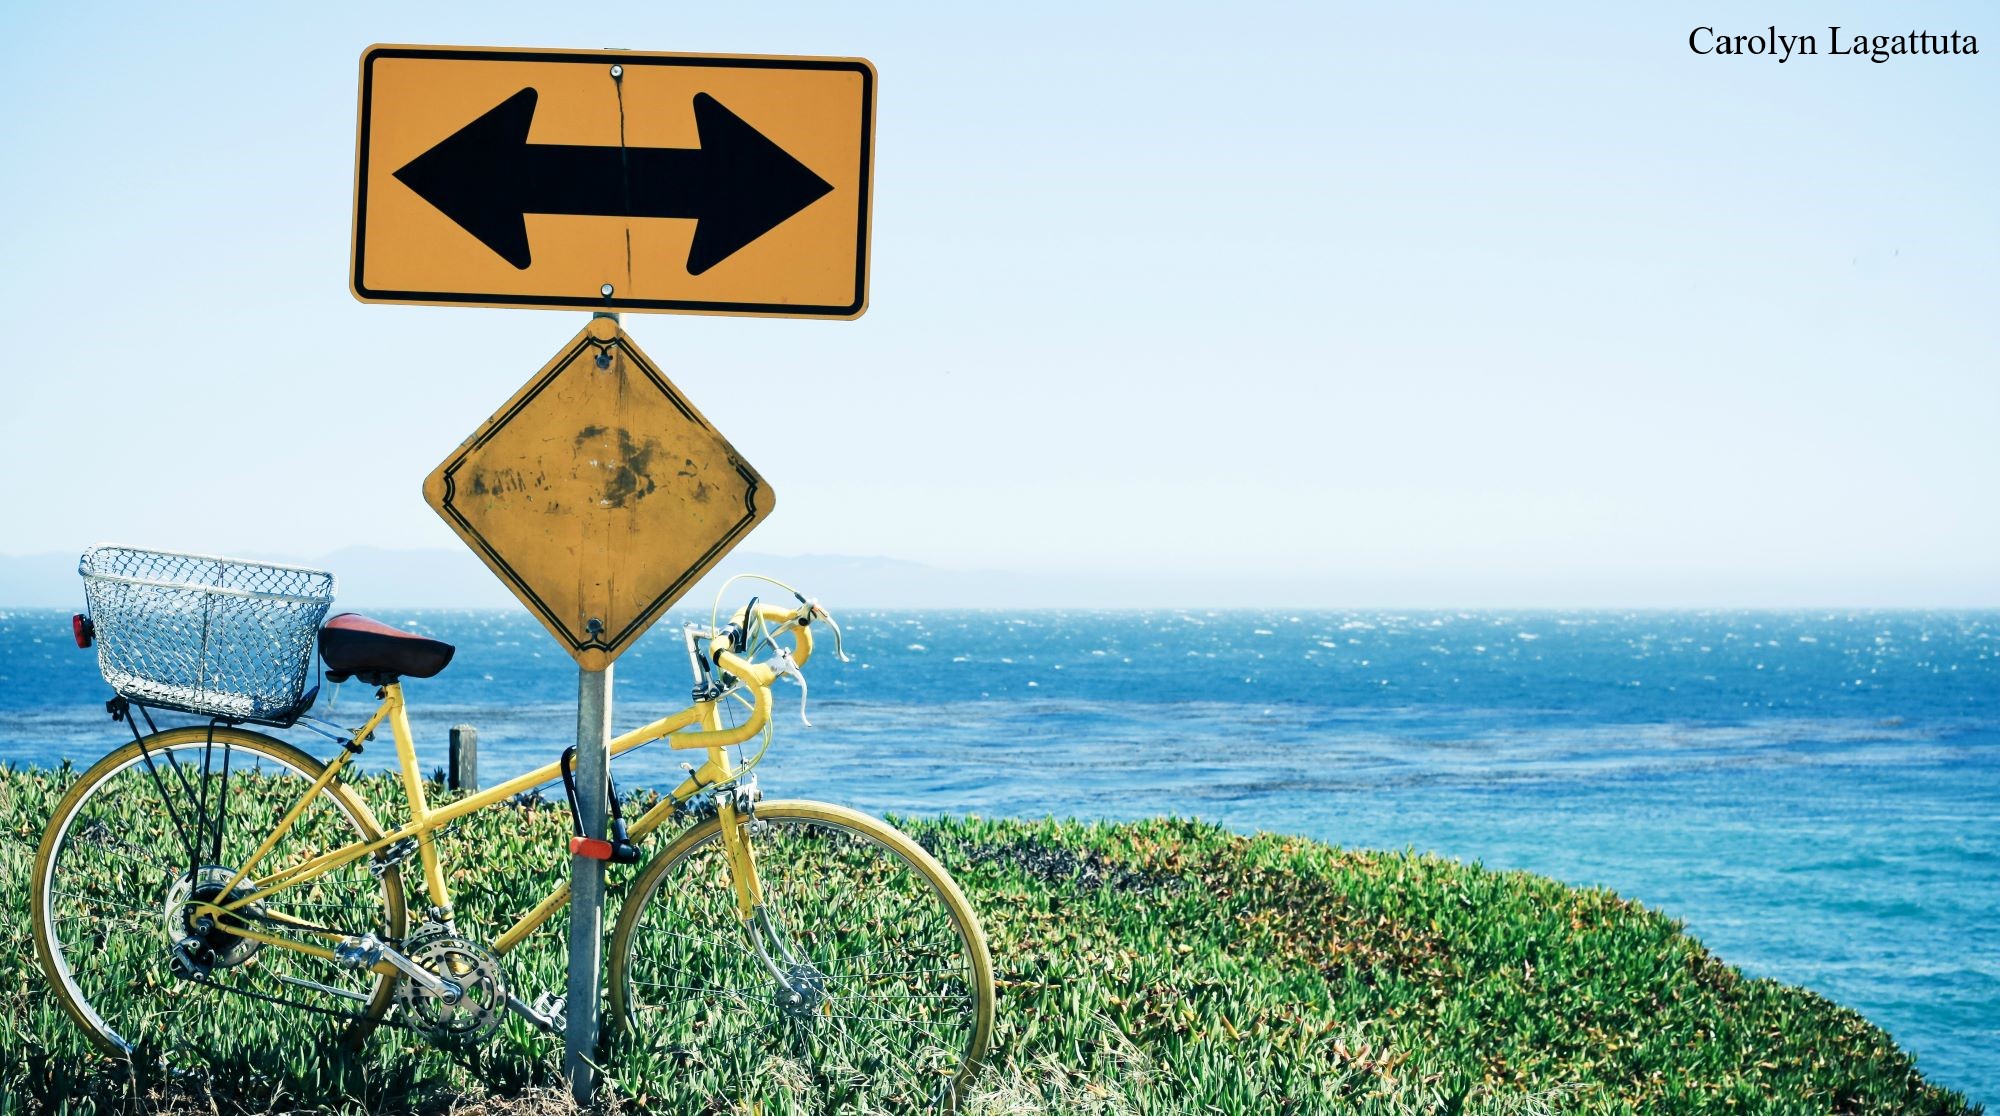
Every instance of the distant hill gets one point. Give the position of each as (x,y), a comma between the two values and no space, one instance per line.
(379,577)
(383,577)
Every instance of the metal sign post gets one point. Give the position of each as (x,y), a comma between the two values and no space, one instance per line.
(586,874)
(586,883)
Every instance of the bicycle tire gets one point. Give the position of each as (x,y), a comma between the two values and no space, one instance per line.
(893,895)
(104,786)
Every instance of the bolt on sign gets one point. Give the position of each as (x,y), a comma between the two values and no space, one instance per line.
(598,494)
(613,180)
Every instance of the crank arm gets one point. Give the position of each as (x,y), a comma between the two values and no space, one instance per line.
(366,951)
(430,981)
(550,1022)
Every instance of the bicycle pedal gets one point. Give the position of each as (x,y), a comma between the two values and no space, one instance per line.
(554,1008)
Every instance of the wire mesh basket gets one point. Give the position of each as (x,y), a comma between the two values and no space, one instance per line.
(212,636)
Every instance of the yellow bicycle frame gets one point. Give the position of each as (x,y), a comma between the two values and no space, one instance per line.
(676,729)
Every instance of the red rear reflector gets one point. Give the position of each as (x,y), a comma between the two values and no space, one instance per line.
(83,629)
(596,848)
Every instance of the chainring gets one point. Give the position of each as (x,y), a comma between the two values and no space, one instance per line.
(474,1010)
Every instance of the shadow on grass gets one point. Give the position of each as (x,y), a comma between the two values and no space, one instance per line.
(330,1080)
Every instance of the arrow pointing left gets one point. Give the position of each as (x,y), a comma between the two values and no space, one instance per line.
(737,186)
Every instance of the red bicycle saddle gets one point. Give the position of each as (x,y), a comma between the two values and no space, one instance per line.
(354,645)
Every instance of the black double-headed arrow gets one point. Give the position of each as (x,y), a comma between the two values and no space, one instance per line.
(736,186)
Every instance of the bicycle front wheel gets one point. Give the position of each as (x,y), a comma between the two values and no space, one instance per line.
(157,828)
(866,987)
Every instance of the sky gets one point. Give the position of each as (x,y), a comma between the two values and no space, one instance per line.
(1441,305)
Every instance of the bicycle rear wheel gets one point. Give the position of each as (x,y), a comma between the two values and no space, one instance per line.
(886,1001)
(163,823)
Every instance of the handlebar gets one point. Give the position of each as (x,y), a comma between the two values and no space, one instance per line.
(758,676)
(796,619)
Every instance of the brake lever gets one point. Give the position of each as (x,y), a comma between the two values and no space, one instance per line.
(784,664)
(816,612)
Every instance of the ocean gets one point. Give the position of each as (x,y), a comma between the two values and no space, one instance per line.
(1816,794)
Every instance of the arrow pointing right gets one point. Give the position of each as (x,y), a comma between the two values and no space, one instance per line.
(736,186)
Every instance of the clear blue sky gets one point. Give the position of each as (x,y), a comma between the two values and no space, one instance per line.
(1443,304)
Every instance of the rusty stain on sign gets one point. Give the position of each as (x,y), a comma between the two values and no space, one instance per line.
(598,494)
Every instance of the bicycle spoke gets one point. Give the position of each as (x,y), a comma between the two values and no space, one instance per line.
(102,966)
(893,972)
(675,1002)
(881,1033)
(877,973)
(101,837)
(922,1023)
(704,939)
(858,956)
(133,924)
(937,1013)
(684,987)
(102,900)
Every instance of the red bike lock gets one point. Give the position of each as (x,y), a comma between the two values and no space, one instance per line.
(596,848)
(617,850)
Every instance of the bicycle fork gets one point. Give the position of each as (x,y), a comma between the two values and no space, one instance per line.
(801,986)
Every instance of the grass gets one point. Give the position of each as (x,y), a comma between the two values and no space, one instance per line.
(1160,967)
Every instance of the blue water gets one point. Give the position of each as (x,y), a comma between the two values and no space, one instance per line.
(1817,795)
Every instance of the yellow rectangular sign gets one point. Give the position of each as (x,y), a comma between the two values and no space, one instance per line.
(613,180)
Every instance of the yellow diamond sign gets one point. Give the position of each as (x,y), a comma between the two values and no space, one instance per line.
(599,494)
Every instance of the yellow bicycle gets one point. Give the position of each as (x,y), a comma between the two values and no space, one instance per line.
(202,889)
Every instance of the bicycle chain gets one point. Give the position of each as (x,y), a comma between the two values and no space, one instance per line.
(269,999)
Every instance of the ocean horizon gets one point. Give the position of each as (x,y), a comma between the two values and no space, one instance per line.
(1815,793)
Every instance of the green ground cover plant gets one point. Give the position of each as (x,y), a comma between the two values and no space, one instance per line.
(1160,967)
